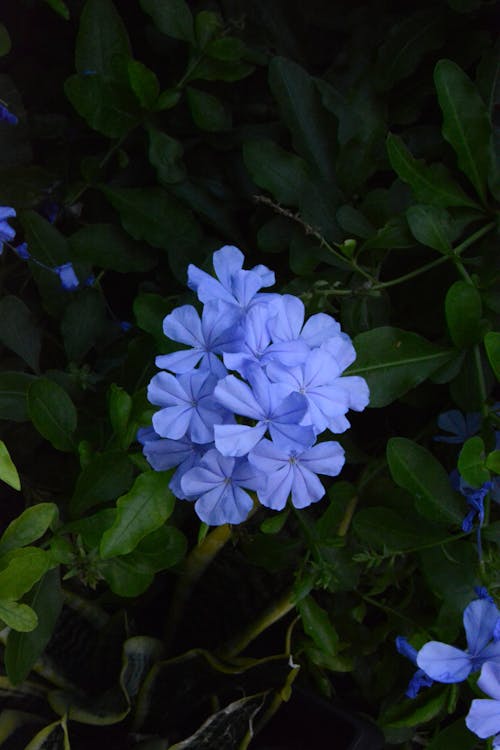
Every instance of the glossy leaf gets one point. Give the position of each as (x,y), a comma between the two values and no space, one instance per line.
(172,18)
(208,112)
(106,106)
(29,526)
(415,469)
(22,650)
(21,569)
(144,83)
(317,625)
(127,575)
(466,125)
(463,310)
(394,361)
(272,168)
(432,184)
(18,330)
(471,462)
(8,471)
(17,616)
(432,226)
(142,510)
(492,346)
(53,413)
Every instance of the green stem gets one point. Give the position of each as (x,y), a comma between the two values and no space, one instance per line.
(349,512)
(480,380)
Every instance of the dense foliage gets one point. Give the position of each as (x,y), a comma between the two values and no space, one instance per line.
(354,151)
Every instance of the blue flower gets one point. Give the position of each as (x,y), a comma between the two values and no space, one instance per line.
(22,251)
(420,679)
(7,116)
(67,276)
(461,427)
(217,482)
(289,472)
(484,715)
(188,405)
(7,234)
(446,663)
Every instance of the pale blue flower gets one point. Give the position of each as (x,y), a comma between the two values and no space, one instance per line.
(446,663)
(290,472)
(484,715)
(420,679)
(217,482)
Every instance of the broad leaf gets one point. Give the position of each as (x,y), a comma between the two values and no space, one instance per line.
(144,83)
(466,125)
(106,106)
(17,616)
(18,330)
(471,462)
(165,154)
(107,246)
(492,346)
(393,361)
(391,531)
(318,626)
(102,43)
(28,527)
(431,184)
(53,413)
(432,226)
(21,569)
(106,477)
(415,469)
(463,314)
(8,471)
(272,168)
(60,7)
(82,322)
(45,242)
(172,18)
(208,112)
(143,509)
(13,398)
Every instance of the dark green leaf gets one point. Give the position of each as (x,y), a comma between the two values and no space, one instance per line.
(209,205)
(150,311)
(466,125)
(5,43)
(102,43)
(82,323)
(165,154)
(453,736)
(107,476)
(45,242)
(13,390)
(275,523)
(493,461)
(106,106)
(172,18)
(354,223)
(60,7)
(463,314)
(318,626)
(206,25)
(228,48)
(491,344)
(432,226)
(471,462)
(162,548)
(107,246)
(142,510)
(431,184)
(387,530)
(8,471)
(209,69)
(207,111)
(300,108)
(120,410)
(127,576)
(276,170)
(393,361)
(426,707)
(28,527)
(167,100)
(394,234)
(144,83)
(18,330)
(22,650)
(53,413)
(407,43)
(358,111)
(153,215)
(415,469)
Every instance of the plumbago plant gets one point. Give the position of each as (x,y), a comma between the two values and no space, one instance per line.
(249,406)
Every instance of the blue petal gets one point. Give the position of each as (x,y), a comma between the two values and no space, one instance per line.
(184,325)
(480,618)
(237,439)
(489,681)
(444,663)
(484,717)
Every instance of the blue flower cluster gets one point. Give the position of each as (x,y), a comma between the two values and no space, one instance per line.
(242,406)
(440,662)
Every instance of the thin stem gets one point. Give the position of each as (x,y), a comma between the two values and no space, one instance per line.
(480,380)
(349,512)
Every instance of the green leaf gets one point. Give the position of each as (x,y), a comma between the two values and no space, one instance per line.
(317,625)
(144,84)
(102,43)
(463,310)
(172,18)
(82,322)
(206,26)
(52,737)
(106,106)
(45,242)
(22,651)
(143,509)
(407,43)
(423,709)
(28,527)
(466,125)
(53,413)
(120,413)
(107,246)
(299,103)
(228,48)
(150,311)
(127,575)
(5,43)
(275,523)
(167,100)
(165,154)
(415,469)
(17,616)
(153,215)
(103,479)
(493,461)
(18,330)
(207,111)
(394,361)
(13,400)
(354,222)
(431,184)
(471,462)
(272,168)
(491,344)
(8,472)
(432,226)
(453,736)
(21,569)
(60,7)
(162,548)
(392,531)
